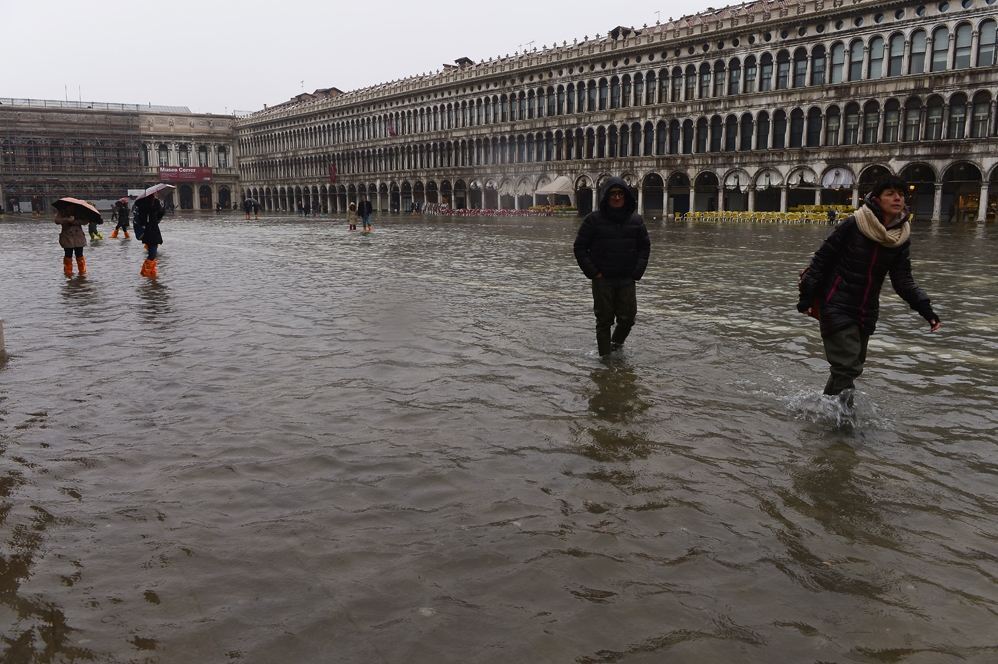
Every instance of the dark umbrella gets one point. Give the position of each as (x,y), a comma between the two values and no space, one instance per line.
(79,209)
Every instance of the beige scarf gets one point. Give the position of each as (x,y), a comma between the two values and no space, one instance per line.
(871,227)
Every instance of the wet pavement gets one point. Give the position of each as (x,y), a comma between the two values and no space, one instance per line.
(302,444)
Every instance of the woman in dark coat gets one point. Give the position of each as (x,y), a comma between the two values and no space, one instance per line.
(149,210)
(841,286)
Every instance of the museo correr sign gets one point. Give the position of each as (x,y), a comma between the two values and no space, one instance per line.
(184,174)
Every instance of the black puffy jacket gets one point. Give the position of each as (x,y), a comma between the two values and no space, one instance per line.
(613,243)
(847,273)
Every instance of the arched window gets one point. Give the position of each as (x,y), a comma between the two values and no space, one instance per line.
(203,155)
(677,85)
(730,133)
(163,154)
(961,57)
(956,127)
(871,119)
(661,137)
(919,45)
(856,61)
(184,156)
(688,137)
(625,91)
(581,95)
(832,123)
(779,130)
(762,129)
(852,124)
(675,136)
(876,69)
(940,48)
(649,146)
(986,47)
(750,74)
(603,88)
(813,128)
(782,70)
(639,89)
(719,78)
(615,92)
(591,91)
(766,72)
(818,64)
(734,77)
(934,119)
(702,135)
(981,118)
(716,127)
(800,68)
(559,108)
(912,119)
(895,58)
(797,128)
(745,132)
(663,86)
(892,121)
(704,81)
(838,63)
(650,88)
(691,83)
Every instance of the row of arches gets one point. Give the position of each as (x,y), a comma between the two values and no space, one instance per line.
(911,120)
(870,57)
(957,189)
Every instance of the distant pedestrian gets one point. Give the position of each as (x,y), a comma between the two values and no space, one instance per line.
(247,207)
(841,286)
(352,216)
(831,216)
(256,210)
(150,212)
(71,214)
(365,210)
(120,213)
(612,248)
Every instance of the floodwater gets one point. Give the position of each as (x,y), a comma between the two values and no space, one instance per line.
(303,444)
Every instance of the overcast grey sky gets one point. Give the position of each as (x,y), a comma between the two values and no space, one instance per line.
(217,56)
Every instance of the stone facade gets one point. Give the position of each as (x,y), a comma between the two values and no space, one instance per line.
(762,106)
(97,151)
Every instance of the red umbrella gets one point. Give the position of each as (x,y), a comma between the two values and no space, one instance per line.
(79,209)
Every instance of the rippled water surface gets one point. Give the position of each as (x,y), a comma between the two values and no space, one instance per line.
(303,444)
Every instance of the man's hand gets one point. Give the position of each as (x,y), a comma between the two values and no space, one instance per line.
(935,325)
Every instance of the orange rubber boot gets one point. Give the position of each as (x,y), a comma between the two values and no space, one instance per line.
(81,263)
(114,233)
(125,232)
(151,271)
(144,272)
(67,266)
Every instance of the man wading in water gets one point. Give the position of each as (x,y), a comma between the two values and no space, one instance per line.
(612,249)
(841,286)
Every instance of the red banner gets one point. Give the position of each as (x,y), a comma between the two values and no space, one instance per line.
(332,173)
(184,174)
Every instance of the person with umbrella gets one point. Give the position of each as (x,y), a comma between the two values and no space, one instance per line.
(248,207)
(149,211)
(121,215)
(71,214)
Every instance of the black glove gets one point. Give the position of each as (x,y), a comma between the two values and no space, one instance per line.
(803,304)
(925,310)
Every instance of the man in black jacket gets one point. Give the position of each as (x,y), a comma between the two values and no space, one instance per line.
(612,248)
(364,211)
(841,286)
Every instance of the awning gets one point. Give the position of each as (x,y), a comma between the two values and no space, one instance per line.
(838,178)
(561,185)
(768,178)
(523,188)
(736,180)
(804,178)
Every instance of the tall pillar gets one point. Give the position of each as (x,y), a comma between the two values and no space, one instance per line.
(720,199)
(951,52)
(641,201)
(693,195)
(595,202)
(751,198)
(905,57)
(937,203)
(817,196)
(783,198)
(982,207)
(975,40)
(855,195)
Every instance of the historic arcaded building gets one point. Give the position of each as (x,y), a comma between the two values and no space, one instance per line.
(98,151)
(761,106)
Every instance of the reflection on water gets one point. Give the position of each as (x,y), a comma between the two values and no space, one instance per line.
(402,448)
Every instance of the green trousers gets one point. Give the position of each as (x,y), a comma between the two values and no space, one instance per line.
(845,351)
(613,300)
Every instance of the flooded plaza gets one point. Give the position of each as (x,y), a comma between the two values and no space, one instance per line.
(302,444)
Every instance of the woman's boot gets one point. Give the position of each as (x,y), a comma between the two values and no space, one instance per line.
(114,234)
(81,263)
(67,266)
